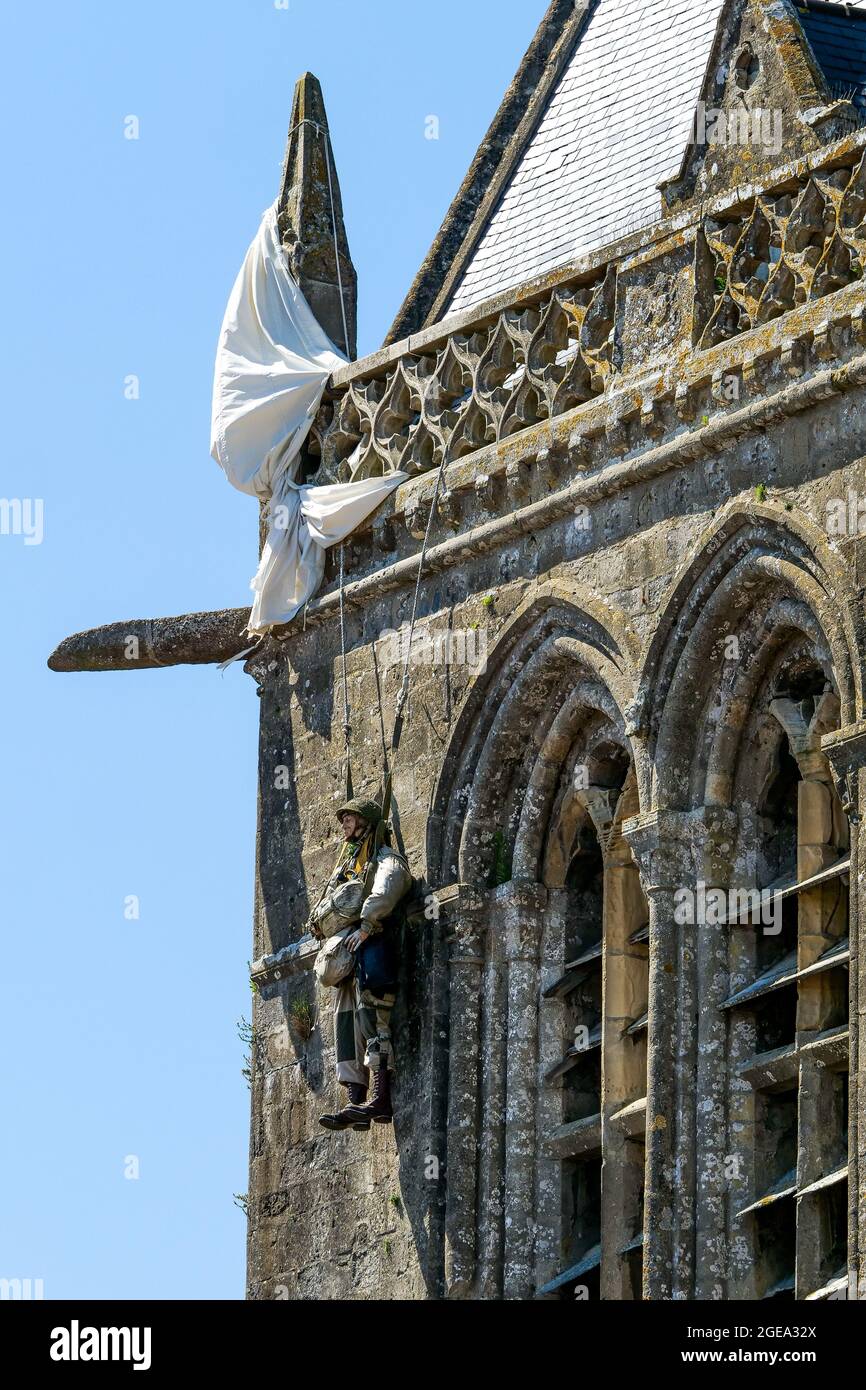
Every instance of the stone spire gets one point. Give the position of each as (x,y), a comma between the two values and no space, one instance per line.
(305,217)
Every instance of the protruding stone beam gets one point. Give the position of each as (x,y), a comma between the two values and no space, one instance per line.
(845,750)
(194,639)
(600,804)
(304,217)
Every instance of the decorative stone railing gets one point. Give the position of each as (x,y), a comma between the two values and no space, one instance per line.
(797,243)
(492,390)
(528,365)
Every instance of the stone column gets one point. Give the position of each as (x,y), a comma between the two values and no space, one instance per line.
(429,1142)
(714,846)
(522,907)
(665,865)
(818,916)
(553,1041)
(466,960)
(623,1000)
(491,1158)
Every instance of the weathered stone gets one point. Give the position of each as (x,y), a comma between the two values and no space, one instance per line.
(143,643)
(636,699)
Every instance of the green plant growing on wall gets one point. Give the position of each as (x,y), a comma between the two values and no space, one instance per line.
(241,1200)
(303,1018)
(760,493)
(251,1038)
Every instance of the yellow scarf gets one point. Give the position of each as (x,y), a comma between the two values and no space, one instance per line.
(354,858)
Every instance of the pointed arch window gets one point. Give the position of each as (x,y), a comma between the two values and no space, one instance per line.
(600,1076)
(788,1020)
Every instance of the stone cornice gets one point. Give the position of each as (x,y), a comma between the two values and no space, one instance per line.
(685,448)
(210,637)
(270,970)
(583,268)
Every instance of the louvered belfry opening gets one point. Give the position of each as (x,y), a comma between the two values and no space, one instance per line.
(599,1083)
(788,1020)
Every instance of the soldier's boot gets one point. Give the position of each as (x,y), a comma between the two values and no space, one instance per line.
(378,1108)
(350,1114)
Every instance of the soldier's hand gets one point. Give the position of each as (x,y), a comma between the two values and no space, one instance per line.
(356,939)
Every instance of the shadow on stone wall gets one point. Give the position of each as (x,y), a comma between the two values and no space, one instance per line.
(420,1033)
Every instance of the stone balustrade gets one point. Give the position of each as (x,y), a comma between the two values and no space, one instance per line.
(652,337)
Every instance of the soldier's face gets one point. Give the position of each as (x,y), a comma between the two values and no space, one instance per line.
(353,826)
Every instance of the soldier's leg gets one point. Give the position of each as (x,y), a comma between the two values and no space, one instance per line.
(374,1015)
(349,1051)
(349,1042)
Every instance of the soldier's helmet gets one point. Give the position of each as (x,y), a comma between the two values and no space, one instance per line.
(371,811)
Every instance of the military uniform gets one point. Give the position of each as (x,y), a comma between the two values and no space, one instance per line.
(364,1000)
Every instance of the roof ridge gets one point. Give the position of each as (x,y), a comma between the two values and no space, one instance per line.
(516,191)
(536,76)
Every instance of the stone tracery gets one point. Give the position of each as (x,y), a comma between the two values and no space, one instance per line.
(526,366)
(796,244)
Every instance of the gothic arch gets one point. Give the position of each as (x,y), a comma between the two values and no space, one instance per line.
(548,971)
(757,655)
(763,578)
(563,659)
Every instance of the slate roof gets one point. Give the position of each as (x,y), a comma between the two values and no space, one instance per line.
(837,35)
(616,126)
(615,84)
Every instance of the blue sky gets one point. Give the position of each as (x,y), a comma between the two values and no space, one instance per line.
(120,1036)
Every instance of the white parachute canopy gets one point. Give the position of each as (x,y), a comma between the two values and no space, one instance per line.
(272,363)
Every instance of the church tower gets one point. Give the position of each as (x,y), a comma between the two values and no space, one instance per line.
(628,390)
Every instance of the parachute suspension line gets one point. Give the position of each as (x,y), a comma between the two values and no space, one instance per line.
(347,728)
(403,692)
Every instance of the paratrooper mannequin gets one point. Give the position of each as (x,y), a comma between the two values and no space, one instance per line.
(368,883)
